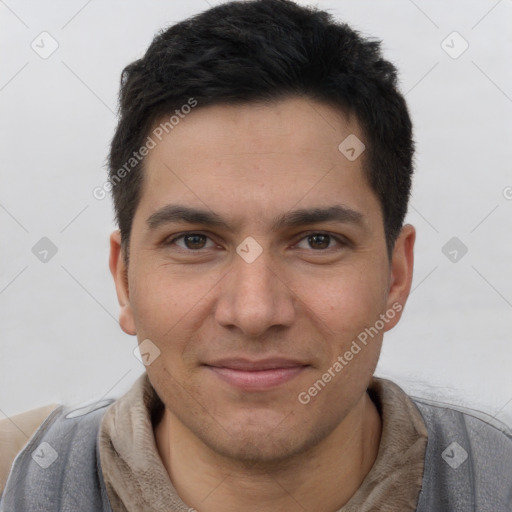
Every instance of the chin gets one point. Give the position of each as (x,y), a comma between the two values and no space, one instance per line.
(258,450)
(265,444)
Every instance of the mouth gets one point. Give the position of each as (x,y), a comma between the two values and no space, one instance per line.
(256,375)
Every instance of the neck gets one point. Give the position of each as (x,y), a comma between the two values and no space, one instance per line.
(323,478)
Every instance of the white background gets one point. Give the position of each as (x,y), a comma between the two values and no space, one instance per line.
(59,334)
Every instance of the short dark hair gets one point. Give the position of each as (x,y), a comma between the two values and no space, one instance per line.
(265,50)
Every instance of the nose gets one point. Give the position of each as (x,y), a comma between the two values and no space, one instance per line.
(254,297)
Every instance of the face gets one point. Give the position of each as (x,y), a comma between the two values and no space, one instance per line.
(257,259)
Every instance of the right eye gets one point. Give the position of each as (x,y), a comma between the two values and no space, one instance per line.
(192,241)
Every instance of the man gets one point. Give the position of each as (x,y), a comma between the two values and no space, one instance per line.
(260,173)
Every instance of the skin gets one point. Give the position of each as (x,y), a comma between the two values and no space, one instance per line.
(224,448)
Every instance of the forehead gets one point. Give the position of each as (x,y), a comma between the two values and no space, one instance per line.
(294,125)
(257,157)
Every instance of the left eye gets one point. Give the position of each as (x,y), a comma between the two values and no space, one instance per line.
(318,241)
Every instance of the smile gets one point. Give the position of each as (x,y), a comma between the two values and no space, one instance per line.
(256,376)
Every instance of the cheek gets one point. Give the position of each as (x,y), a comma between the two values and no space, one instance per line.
(349,346)
(169,304)
(347,302)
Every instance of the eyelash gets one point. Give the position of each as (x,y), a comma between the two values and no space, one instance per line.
(341,240)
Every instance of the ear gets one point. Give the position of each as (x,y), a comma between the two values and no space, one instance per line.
(402,263)
(120,274)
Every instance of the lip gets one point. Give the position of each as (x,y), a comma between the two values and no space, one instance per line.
(251,375)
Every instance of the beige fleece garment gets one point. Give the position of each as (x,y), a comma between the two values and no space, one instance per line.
(137,481)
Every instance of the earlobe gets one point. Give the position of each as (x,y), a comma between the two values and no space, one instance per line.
(402,263)
(126,320)
(120,274)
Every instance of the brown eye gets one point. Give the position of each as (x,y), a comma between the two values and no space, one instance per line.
(319,241)
(192,242)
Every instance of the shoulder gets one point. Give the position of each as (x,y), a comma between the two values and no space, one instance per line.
(62,454)
(468,462)
(476,424)
(15,433)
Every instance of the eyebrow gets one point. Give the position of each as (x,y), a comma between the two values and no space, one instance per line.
(171,214)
